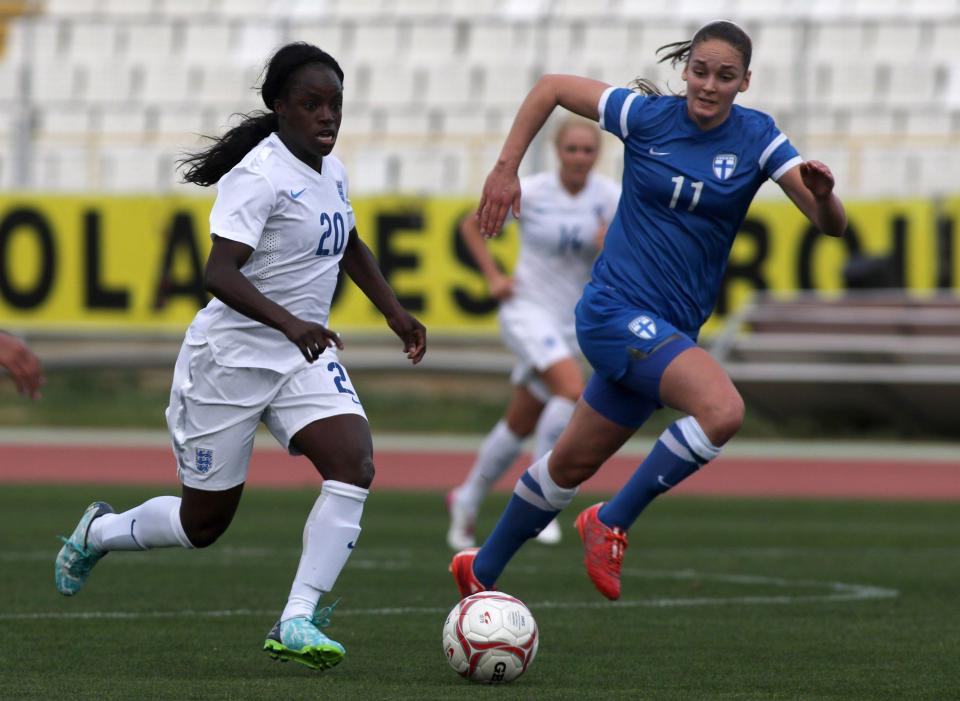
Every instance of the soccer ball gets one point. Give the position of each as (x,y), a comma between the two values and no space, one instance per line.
(490,637)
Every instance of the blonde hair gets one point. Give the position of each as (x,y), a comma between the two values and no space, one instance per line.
(571,122)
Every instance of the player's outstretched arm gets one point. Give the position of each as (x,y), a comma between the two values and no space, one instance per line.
(22,364)
(223,279)
(359,263)
(810,186)
(501,191)
(499,285)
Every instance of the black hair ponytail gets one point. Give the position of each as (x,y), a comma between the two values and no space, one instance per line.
(206,167)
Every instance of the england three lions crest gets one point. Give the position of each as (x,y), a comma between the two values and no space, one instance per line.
(723,165)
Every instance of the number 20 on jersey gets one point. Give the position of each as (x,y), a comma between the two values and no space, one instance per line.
(333,235)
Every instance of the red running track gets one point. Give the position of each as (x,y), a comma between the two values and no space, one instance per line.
(728,476)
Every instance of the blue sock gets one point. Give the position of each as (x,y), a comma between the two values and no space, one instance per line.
(679,452)
(527,513)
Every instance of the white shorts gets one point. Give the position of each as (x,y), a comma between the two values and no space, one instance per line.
(215,410)
(538,341)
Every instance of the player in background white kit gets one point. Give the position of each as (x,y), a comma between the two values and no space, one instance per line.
(282,227)
(563,217)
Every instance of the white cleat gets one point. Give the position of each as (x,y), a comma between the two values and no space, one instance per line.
(462,521)
(551,534)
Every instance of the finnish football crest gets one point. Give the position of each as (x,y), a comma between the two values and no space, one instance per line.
(340,191)
(644,327)
(204,460)
(723,165)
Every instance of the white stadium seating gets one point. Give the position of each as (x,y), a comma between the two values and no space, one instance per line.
(116,88)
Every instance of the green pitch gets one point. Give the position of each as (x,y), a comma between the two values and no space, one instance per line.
(723,599)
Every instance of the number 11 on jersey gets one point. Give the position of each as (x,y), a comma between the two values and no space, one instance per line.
(678,186)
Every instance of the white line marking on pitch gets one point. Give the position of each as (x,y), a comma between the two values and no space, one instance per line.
(832,592)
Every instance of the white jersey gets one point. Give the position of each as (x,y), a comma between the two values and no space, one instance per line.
(297,221)
(558,241)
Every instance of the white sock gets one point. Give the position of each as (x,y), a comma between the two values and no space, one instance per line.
(153,524)
(556,496)
(500,448)
(329,537)
(555,417)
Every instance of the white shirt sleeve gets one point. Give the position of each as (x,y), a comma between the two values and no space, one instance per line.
(245,199)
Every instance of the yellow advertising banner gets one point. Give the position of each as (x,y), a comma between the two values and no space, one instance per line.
(108,263)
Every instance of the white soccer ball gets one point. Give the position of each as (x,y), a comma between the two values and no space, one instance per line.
(490,637)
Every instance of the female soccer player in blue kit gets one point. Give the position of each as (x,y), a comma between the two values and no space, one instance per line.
(692,165)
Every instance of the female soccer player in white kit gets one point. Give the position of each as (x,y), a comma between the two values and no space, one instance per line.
(282,227)
(562,222)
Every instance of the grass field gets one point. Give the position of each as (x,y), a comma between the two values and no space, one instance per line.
(723,599)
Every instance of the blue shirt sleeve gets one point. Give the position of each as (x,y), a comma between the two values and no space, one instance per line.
(777,154)
(619,110)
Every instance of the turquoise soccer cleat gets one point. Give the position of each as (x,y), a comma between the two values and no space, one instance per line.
(76,558)
(301,640)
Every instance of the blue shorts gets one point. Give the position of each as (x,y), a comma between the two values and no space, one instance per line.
(629,349)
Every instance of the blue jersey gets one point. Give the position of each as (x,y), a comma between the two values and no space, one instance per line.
(685,195)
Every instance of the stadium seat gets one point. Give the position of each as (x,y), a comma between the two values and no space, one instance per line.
(57,122)
(226,82)
(187,9)
(57,167)
(390,84)
(433,41)
(181,121)
(608,40)
(168,83)
(37,38)
(208,41)
(9,84)
(450,84)
(105,81)
(147,41)
(472,9)
(495,42)
(577,9)
(372,170)
(241,9)
(361,9)
(886,171)
(939,171)
(135,168)
(776,42)
(376,41)
(505,85)
(71,8)
(93,40)
(123,121)
(657,34)
(329,36)
(944,41)
(910,83)
(127,8)
(54,82)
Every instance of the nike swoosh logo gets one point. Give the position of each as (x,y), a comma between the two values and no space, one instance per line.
(351,545)
(295,195)
(661,481)
(654,152)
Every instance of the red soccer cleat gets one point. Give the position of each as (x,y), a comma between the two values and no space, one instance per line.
(461,566)
(603,549)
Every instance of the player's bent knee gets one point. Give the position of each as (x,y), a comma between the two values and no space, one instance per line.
(365,474)
(572,470)
(722,420)
(359,472)
(204,535)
